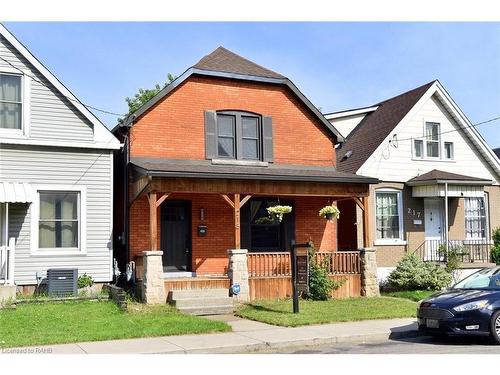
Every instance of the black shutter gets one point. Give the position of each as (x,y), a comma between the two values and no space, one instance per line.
(267,138)
(210,134)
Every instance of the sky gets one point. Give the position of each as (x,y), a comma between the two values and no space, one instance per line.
(336,65)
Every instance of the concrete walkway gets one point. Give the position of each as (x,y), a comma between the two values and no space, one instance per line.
(247,336)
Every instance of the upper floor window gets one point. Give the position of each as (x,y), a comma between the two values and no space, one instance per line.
(448,150)
(238,135)
(11,101)
(432,139)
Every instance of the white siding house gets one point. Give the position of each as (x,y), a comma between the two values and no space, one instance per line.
(56,162)
(440,181)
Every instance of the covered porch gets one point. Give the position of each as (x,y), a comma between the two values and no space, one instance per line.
(195,217)
(455,218)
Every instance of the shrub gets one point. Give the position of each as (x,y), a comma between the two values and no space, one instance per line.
(320,284)
(84,281)
(495,251)
(412,273)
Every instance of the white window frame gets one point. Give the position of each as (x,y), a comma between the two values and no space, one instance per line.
(25,104)
(390,241)
(414,149)
(486,218)
(439,140)
(82,223)
(452,156)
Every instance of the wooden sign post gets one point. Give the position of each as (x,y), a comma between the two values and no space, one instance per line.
(300,271)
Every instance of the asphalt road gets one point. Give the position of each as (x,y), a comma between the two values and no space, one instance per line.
(416,345)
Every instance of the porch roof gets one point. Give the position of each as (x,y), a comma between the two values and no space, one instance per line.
(206,169)
(440,177)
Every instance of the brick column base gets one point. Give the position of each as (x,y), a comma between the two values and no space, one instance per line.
(153,285)
(369,283)
(237,271)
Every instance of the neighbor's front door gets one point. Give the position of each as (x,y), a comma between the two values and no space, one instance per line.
(433,213)
(176,235)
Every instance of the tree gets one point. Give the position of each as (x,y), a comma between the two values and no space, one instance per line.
(144,95)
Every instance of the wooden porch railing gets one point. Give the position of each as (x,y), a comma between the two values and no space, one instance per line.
(270,264)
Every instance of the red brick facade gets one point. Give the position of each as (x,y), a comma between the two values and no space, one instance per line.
(174,129)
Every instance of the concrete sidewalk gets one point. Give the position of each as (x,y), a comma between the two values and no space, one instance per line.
(247,336)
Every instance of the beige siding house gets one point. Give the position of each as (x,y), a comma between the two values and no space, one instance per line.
(439,179)
(56,188)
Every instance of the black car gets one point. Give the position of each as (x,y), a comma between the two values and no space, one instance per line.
(471,307)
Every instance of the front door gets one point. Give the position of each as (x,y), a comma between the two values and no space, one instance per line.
(176,235)
(433,213)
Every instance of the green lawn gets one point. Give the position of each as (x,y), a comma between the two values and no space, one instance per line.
(76,321)
(279,312)
(412,295)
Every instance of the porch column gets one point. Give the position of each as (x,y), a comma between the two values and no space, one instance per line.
(369,282)
(236,205)
(153,222)
(153,285)
(366,219)
(446,224)
(237,271)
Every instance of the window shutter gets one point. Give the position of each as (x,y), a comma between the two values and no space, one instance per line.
(267,138)
(210,134)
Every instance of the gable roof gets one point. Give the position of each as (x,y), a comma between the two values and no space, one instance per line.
(223,60)
(223,63)
(437,176)
(362,142)
(103,138)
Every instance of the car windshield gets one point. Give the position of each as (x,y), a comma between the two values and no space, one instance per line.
(488,278)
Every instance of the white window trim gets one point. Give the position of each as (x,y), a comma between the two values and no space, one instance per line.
(82,224)
(452,150)
(390,241)
(439,141)
(486,200)
(24,132)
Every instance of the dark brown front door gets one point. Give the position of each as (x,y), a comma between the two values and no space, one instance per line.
(176,235)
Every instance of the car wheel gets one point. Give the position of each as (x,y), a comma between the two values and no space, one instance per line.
(495,327)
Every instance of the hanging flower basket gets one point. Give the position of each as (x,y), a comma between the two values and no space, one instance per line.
(329,212)
(277,212)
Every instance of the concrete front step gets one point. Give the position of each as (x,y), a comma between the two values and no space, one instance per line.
(202,301)
(208,302)
(208,310)
(198,293)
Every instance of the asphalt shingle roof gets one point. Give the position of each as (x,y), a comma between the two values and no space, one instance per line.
(375,127)
(223,60)
(436,175)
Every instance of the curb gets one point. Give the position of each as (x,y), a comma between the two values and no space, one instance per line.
(307,343)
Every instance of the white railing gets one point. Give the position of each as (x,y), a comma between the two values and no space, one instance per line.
(7,260)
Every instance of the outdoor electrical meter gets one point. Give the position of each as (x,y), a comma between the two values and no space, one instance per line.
(202,230)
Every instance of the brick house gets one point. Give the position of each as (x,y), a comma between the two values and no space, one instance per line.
(205,158)
(439,180)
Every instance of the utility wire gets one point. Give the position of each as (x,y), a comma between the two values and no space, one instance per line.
(449,131)
(68,98)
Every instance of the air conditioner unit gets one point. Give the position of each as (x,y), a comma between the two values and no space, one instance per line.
(62,282)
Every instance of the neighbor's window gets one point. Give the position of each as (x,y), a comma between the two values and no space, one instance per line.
(432,139)
(475,218)
(418,148)
(239,135)
(448,150)
(58,224)
(388,215)
(226,136)
(10,101)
